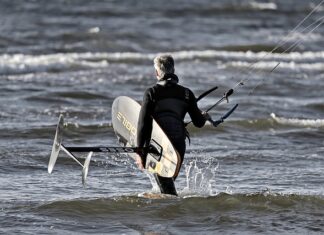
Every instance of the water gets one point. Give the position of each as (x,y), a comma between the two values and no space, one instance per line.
(259,172)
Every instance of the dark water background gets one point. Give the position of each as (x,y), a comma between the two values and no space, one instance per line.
(259,172)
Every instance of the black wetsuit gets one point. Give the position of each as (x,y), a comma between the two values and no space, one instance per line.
(167,102)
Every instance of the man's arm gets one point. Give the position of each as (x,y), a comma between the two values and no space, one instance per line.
(197,116)
(144,125)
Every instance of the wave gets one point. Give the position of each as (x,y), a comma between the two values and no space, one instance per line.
(283,66)
(209,9)
(103,127)
(20,63)
(298,122)
(63,96)
(263,5)
(74,128)
(129,205)
(199,8)
(24,64)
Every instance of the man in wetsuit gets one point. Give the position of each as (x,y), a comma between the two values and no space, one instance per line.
(167,102)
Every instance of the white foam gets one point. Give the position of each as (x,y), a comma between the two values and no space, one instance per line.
(263,5)
(298,122)
(20,63)
(283,66)
(94,30)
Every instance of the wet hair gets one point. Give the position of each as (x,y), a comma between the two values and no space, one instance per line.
(164,64)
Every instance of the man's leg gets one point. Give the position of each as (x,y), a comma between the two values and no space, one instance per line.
(166,185)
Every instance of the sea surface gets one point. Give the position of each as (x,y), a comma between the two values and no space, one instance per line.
(259,172)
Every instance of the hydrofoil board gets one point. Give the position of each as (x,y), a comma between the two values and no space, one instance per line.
(125,114)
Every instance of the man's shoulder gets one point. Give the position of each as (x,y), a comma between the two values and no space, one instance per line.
(186,89)
(158,89)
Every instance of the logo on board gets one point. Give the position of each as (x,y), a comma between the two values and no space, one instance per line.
(127,124)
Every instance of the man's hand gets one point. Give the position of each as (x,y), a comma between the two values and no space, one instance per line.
(206,116)
(140,159)
(139,162)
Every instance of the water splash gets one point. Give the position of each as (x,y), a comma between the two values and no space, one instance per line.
(200,175)
(155,186)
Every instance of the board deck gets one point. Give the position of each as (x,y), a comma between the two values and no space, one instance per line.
(125,114)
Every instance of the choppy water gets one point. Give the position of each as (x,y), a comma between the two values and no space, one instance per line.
(259,172)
